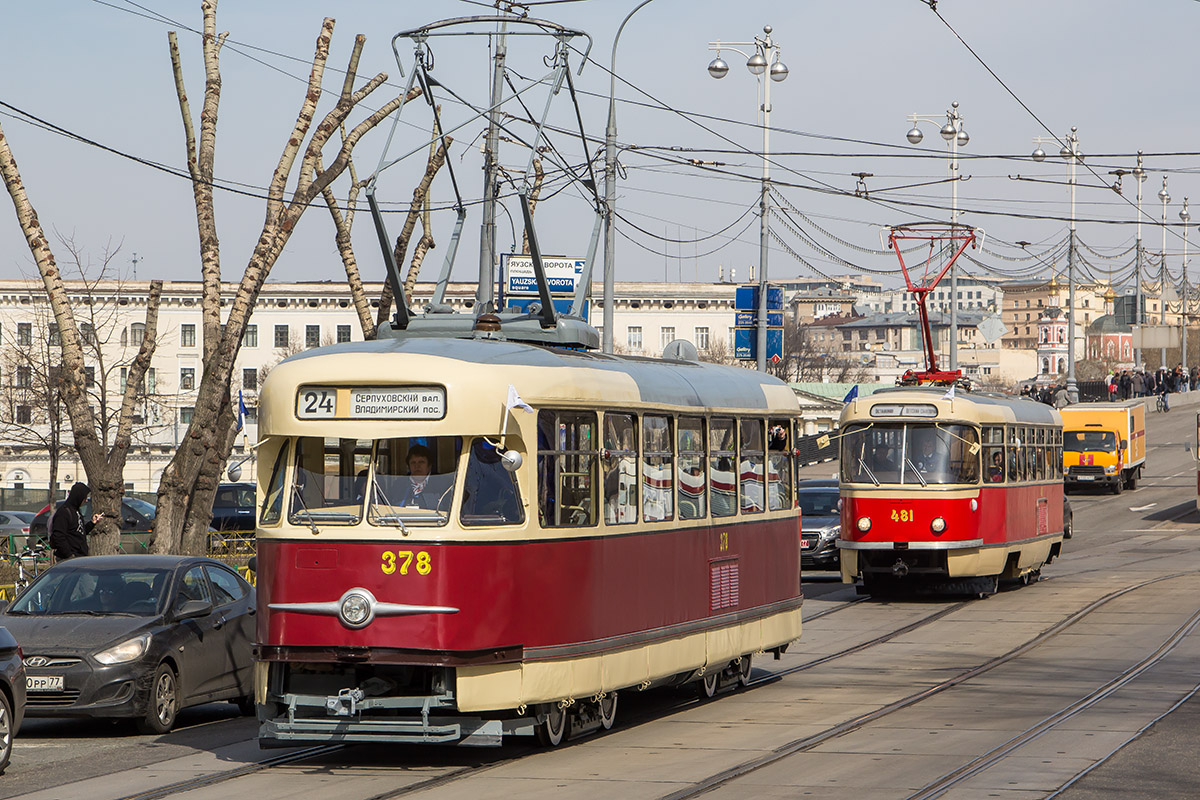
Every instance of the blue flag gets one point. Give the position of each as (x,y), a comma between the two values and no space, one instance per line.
(851,395)
(241,413)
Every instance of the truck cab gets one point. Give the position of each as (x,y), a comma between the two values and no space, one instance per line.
(1104,443)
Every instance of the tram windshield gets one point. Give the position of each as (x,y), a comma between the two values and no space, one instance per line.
(1089,441)
(915,454)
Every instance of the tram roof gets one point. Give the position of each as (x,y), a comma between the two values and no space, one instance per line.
(977,406)
(658,381)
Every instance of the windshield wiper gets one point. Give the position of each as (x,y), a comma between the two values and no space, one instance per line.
(916,471)
(862,466)
(300,496)
(391,519)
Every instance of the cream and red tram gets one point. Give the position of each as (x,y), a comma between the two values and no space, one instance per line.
(958,490)
(635,528)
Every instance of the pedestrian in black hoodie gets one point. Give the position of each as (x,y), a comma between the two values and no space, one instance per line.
(68,531)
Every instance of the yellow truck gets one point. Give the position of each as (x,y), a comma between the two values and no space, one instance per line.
(1104,443)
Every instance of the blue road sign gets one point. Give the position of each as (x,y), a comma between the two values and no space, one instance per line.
(746,298)
(745,344)
(749,319)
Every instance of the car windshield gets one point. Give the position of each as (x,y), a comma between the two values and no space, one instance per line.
(147,510)
(818,502)
(235,497)
(918,454)
(1089,441)
(93,592)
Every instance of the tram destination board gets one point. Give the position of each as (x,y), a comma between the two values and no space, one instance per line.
(371,402)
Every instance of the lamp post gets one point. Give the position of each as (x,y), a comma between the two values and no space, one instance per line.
(610,188)
(955,138)
(1070,152)
(1140,174)
(765,60)
(1162,269)
(1185,218)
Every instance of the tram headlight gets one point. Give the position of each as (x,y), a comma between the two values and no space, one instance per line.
(356,609)
(938,525)
(864,524)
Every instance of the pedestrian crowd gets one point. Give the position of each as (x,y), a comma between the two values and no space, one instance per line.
(1147,383)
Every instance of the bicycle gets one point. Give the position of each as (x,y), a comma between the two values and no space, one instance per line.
(35,556)
(1160,404)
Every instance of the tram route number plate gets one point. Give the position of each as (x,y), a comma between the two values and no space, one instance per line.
(371,402)
(44,683)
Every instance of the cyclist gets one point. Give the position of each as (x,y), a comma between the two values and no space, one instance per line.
(1164,404)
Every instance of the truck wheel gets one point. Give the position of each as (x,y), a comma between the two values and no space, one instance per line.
(1131,484)
(1118,486)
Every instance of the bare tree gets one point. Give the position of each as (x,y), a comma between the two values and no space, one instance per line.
(190,480)
(104,465)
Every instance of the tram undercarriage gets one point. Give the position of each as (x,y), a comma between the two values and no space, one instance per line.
(973,570)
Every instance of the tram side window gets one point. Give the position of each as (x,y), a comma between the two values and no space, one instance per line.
(620,469)
(1031,454)
(1016,467)
(693,489)
(490,493)
(413,480)
(272,507)
(779,464)
(751,431)
(993,453)
(658,469)
(330,480)
(722,461)
(567,457)
(1043,454)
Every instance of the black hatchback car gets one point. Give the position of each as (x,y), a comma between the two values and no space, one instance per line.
(820,524)
(12,694)
(136,636)
(233,507)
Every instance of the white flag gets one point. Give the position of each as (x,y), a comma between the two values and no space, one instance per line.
(949,395)
(515,401)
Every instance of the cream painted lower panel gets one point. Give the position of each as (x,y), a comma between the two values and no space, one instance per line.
(260,681)
(504,686)
(849,561)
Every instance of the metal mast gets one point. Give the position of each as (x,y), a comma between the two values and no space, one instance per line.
(484,298)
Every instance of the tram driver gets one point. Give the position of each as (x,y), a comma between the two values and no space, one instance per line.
(929,458)
(422,490)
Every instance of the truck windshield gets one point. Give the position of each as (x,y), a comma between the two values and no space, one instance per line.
(1089,441)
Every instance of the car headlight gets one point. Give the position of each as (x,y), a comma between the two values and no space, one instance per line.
(830,533)
(1110,469)
(128,650)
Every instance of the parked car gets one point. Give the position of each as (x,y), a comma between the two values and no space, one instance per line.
(233,507)
(138,636)
(820,523)
(14,529)
(12,694)
(137,523)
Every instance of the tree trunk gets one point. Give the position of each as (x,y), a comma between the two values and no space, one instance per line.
(414,212)
(539,177)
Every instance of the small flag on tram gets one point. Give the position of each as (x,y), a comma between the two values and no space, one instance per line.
(515,401)
(241,413)
(851,395)
(949,395)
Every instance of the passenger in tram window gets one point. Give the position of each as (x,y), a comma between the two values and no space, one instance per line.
(996,471)
(883,459)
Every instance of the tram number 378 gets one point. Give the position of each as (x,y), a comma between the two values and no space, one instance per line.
(902,515)
(402,560)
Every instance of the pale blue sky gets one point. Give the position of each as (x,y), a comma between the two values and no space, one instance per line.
(1118,71)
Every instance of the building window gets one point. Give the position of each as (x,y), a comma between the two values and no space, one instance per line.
(151,381)
(281,336)
(343,333)
(55,337)
(24,415)
(250,379)
(312,335)
(187,335)
(667,335)
(251,415)
(633,337)
(24,334)
(701,338)
(250,337)
(185,415)
(187,379)
(24,377)
(89,377)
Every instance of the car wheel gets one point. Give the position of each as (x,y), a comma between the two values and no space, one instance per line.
(6,732)
(245,705)
(163,704)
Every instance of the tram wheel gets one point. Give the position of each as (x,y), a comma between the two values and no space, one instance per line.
(608,710)
(744,672)
(709,683)
(556,728)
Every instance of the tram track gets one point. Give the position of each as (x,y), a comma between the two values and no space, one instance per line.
(808,743)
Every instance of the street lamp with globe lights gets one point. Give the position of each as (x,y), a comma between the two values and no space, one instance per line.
(764,60)
(955,136)
(1185,218)
(1165,198)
